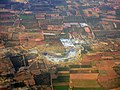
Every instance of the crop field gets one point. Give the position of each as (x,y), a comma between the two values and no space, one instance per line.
(30,24)
(63,69)
(105,71)
(27,17)
(61,79)
(80,66)
(92,76)
(85,83)
(87,89)
(54,46)
(61,87)
(102,73)
(111,83)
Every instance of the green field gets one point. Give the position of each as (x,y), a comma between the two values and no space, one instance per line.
(67,88)
(85,83)
(80,66)
(63,69)
(74,66)
(61,79)
(27,17)
(87,89)
(60,87)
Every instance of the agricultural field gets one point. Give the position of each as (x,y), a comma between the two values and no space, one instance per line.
(61,79)
(85,83)
(61,87)
(87,89)
(27,17)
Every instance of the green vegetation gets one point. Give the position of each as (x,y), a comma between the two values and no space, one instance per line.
(27,17)
(73,19)
(30,24)
(67,88)
(87,89)
(26,24)
(85,83)
(60,87)
(61,79)
(80,66)
(63,69)
(74,66)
